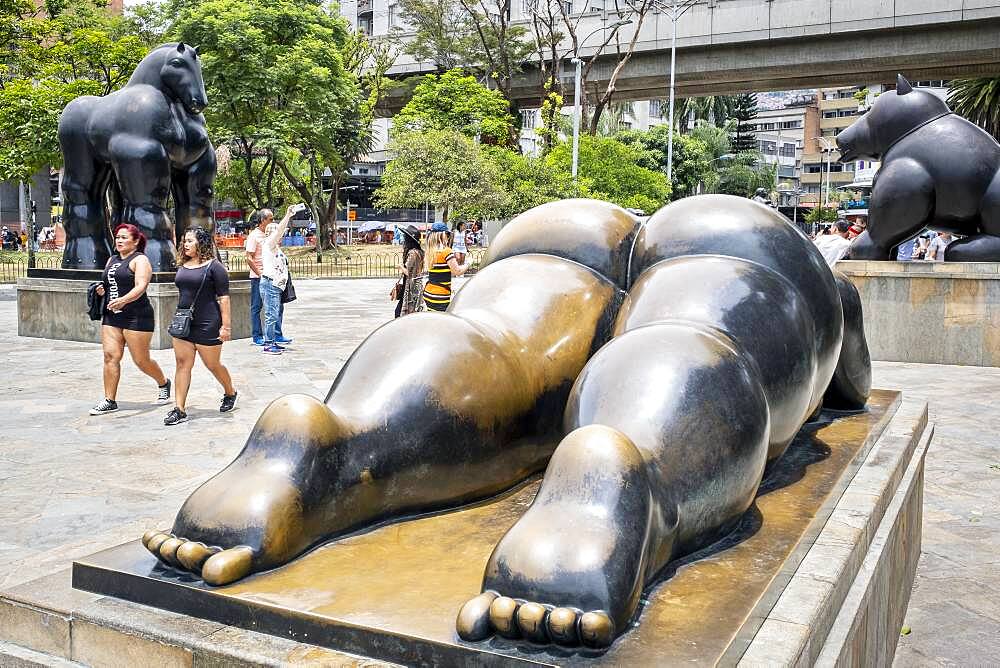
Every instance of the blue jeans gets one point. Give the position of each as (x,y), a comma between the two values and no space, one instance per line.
(270,295)
(256,306)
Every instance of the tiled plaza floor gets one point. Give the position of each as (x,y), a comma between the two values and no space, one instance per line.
(71,484)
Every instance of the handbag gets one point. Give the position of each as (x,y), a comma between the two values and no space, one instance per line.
(288,294)
(180,324)
(397,292)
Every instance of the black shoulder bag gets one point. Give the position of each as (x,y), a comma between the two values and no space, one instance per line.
(180,325)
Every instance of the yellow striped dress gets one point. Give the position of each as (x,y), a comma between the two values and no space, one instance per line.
(437,292)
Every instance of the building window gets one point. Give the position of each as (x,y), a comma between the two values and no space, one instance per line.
(528,119)
(765,126)
(787,150)
(791,125)
(844,113)
(393,15)
(767,147)
(829,114)
(567,7)
(656,108)
(365,25)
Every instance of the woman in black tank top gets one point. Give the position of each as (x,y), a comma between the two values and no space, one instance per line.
(128,317)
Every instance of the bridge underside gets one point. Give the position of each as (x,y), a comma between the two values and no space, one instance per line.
(941,51)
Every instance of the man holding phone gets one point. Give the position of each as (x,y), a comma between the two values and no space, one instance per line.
(254,249)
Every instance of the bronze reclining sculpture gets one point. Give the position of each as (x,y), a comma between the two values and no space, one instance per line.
(655,411)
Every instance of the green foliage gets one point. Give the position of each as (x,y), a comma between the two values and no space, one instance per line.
(458,102)
(692,159)
(527,182)
(821,214)
(744,173)
(439,31)
(977,100)
(610,170)
(442,167)
(552,118)
(744,111)
(29,118)
(51,53)
(713,109)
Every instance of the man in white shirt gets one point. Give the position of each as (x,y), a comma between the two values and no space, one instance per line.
(834,246)
(935,251)
(254,246)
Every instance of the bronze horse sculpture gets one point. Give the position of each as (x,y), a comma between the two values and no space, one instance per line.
(125,154)
(653,371)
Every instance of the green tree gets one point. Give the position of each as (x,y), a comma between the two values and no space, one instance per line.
(692,160)
(821,214)
(456,101)
(50,54)
(713,109)
(445,168)
(526,181)
(438,31)
(744,173)
(978,100)
(279,93)
(610,170)
(744,112)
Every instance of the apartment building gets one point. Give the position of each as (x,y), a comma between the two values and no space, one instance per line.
(781,137)
(633,115)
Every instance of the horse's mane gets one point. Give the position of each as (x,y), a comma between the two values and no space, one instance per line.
(148,70)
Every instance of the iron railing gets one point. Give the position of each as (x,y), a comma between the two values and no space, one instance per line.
(358,265)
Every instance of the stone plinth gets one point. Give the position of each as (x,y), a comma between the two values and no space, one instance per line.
(930,312)
(51,306)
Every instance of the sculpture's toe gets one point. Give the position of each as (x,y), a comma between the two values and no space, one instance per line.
(531,622)
(596,629)
(168,550)
(192,555)
(562,627)
(473,623)
(148,536)
(154,543)
(227,566)
(503,612)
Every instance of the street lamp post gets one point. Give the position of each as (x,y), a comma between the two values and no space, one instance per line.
(576,116)
(578,92)
(828,149)
(674,11)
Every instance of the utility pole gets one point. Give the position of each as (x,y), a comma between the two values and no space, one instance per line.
(576,116)
(674,11)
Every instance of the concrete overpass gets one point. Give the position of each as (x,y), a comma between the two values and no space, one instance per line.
(730,46)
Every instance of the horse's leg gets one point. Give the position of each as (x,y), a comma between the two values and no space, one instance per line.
(83,179)
(143,171)
(193,193)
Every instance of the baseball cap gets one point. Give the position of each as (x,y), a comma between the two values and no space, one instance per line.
(439,227)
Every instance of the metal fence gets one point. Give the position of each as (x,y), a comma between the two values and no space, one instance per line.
(358,265)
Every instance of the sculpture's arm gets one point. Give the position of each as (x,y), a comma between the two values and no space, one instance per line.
(194,194)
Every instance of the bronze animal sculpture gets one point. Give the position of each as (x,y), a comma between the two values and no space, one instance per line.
(727,342)
(135,148)
(938,171)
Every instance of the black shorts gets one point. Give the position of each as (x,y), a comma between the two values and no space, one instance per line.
(138,318)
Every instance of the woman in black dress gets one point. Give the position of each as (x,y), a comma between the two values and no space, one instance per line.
(128,317)
(203,282)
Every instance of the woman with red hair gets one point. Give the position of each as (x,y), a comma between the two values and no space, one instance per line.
(128,317)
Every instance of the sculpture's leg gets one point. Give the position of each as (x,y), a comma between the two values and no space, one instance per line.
(673,456)
(975,248)
(406,427)
(852,380)
(194,195)
(143,172)
(83,181)
(901,203)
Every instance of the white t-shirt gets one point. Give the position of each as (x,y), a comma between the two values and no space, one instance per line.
(458,245)
(833,247)
(254,244)
(938,244)
(275,266)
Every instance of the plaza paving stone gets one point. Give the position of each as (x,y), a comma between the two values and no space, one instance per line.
(72,484)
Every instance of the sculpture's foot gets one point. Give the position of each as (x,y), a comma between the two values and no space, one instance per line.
(251,516)
(571,570)
(976,248)
(863,248)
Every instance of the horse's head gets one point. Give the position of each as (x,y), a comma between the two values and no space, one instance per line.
(181,74)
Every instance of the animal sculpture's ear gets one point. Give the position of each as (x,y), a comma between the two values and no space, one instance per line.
(902,85)
(180,47)
(195,49)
